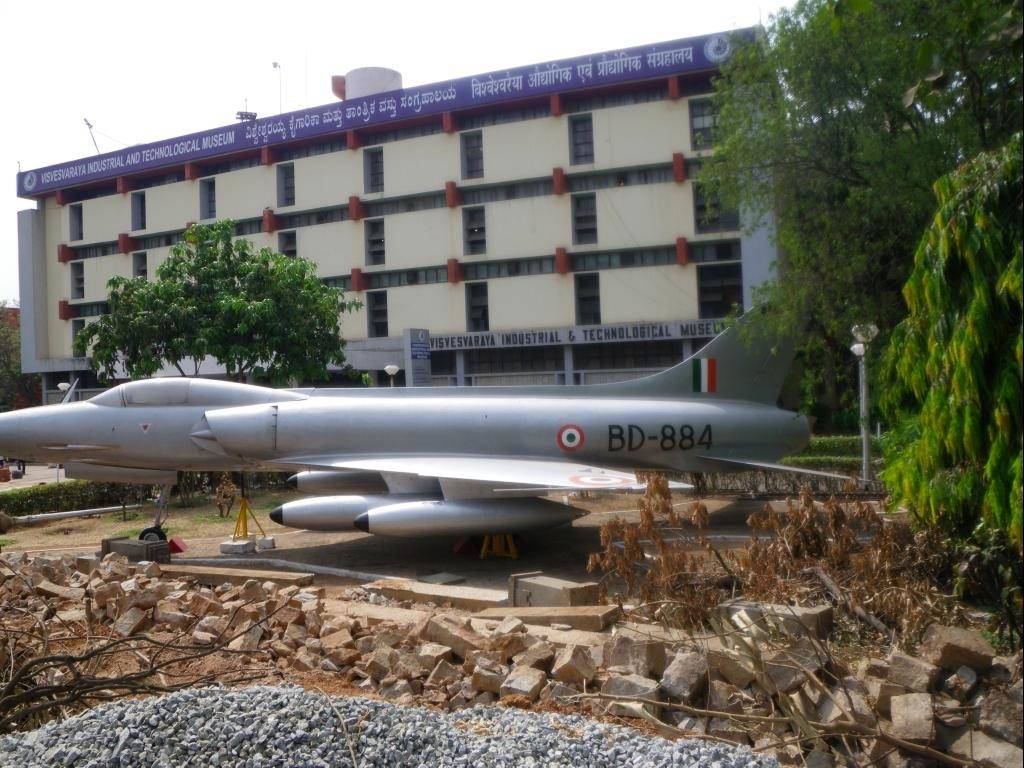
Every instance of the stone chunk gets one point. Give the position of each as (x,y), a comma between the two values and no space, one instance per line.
(634,657)
(447,631)
(787,668)
(633,686)
(760,619)
(130,622)
(845,705)
(731,667)
(912,717)
(110,590)
(508,625)
(991,752)
(249,640)
(961,683)
(539,655)
(523,681)
(999,714)
(953,647)
(574,665)
(379,665)
(488,676)
(340,639)
(431,653)
(686,677)
(444,674)
(49,589)
(911,673)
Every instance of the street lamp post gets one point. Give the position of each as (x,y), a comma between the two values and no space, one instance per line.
(391,370)
(863,335)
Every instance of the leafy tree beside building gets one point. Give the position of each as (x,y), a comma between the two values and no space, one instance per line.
(261,314)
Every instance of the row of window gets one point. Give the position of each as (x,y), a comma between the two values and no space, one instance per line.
(719,292)
(581,152)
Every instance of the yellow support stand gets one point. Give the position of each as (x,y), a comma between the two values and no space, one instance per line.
(499,545)
(242,521)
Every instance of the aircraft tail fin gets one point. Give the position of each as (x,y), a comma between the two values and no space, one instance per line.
(751,365)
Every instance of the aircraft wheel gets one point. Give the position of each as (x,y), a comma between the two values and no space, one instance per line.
(153,533)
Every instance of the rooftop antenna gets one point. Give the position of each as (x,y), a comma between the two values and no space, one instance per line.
(91,134)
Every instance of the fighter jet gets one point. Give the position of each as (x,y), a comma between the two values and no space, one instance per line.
(432,461)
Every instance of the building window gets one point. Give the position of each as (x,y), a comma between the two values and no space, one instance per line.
(474,230)
(703,253)
(75,229)
(476,307)
(287,243)
(588,299)
(709,215)
(373,169)
(719,289)
(624,356)
(138,210)
(374,233)
(285,184)
(77,280)
(140,267)
(703,117)
(208,199)
(377,314)
(472,155)
(584,219)
(581,139)
(77,326)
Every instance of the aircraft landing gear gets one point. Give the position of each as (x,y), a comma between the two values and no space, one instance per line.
(156,531)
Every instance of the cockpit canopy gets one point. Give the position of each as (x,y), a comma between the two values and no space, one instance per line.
(186,391)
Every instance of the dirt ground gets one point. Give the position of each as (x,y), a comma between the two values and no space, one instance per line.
(560,552)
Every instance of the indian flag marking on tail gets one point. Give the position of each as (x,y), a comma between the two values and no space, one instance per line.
(705,375)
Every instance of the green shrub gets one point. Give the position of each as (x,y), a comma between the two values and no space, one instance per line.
(69,495)
(849,464)
(839,445)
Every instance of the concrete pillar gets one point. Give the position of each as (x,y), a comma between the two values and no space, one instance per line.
(570,371)
(460,368)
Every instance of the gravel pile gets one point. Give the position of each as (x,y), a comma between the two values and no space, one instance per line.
(288,726)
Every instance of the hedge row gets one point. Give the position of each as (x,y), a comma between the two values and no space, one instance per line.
(839,445)
(829,463)
(69,495)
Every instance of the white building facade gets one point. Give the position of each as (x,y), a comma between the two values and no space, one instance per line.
(543,224)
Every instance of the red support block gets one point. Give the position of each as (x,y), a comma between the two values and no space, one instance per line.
(124,185)
(674,91)
(192,171)
(65,311)
(452,198)
(682,252)
(448,124)
(62,197)
(352,139)
(454,271)
(270,222)
(65,253)
(678,167)
(356,211)
(126,243)
(267,156)
(557,108)
(562,265)
(558,181)
(358,279)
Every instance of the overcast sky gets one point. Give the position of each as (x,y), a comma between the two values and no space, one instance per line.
(143,71)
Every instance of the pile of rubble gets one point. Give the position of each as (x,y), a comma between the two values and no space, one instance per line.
(765,679)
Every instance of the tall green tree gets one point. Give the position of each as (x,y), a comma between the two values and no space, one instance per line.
(259,313)
(17,389)
(953,369)
(816,137)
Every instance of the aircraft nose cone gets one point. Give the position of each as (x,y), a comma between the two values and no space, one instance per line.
(362,523)
(277,516)
(293,481)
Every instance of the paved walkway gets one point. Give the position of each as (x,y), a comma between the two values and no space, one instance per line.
(35,474)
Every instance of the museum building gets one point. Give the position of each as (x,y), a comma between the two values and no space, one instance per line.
(545,224)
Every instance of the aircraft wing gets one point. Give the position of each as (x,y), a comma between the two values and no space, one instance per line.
(756,464)
(498,475)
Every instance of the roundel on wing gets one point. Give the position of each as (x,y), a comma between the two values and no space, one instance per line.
(570,437)
(598,480)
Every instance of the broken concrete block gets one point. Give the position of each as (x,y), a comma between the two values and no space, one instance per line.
(912,717)
(727,729)
(431,653)
(989,751)
(845,705)
(340,639)
(999,714)
(49,589)
(632,686)
(686,677)
(488,676)
(379,665)
(507,626)
(444,674)
(344,657)
(130,622)
(536,589)
(872,667)
(953,647)
(512,644)
(961,683)
(173,619)
(540,655)
(911,673)
(761,619)
(249,641)
(724,697)
(574,665)
(110,590)
(523,681)
(632,656)
(738,671)
(203,638)
(448,631)
(396,689)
